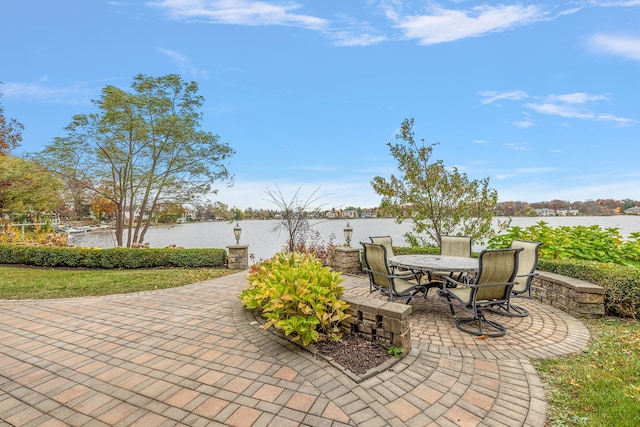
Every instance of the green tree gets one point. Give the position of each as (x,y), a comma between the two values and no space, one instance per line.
(168,213)
(220,211)
(10,132)
(140,149)
(438,200)
(26,189)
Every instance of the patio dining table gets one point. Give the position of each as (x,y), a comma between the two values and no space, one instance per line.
(435,263)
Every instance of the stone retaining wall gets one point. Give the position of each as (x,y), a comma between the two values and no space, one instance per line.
(574,296)
(382,322)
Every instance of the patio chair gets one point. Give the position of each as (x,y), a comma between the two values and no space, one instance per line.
(387,242)
(491,286)
(382,279)
(452,246)
(527,264)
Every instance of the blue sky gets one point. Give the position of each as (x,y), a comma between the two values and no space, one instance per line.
(541,96)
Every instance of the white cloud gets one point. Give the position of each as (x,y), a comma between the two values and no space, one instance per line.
(576,98)
(620,3)
(562,110)
(577,105)
(494,96)
(240,12)
(524,124)
(76,93)
(501,176)
(349,38)
(446,25)
(625,46)
(183,62)
(535,170)
(522,146)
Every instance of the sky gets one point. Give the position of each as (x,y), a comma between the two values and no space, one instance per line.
(541,97)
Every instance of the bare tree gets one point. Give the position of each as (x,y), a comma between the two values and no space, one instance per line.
(295,215)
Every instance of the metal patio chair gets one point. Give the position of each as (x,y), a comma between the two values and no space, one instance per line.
(384,280)
(527,264)
(387,242)
(452,246)
(491,286)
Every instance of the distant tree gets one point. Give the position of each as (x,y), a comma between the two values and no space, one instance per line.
(236,214)
(438,200)
(220,211)
(10,132)
(26,188)
(103,208)
(141,149)
(169,212)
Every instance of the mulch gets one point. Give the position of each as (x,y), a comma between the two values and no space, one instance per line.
(354,353)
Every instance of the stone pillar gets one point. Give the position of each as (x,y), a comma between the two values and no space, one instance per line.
(347,260)
(238,258)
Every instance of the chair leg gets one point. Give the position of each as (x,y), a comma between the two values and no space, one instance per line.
(449,302)
(479,330)
(509,310)
(517,311)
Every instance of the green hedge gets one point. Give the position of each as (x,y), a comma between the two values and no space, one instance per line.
(417,250)
(621,283)
(111,258)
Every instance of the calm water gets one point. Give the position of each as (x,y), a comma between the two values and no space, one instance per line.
(263,242)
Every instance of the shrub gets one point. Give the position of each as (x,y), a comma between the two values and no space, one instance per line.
(41,256)
(297,295)
(311,243)
(590,243)
(33,235)
(592,254)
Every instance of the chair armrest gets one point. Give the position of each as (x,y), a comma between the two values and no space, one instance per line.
(473,285)
(449,282)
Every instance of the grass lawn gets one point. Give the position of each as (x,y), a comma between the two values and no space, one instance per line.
(41,283)
(601,385)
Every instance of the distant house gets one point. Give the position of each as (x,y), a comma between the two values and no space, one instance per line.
(331,214)
(137,214)
(349,213)
(368,213)
(633,211)
(189,214)
(568,212)
(545,212)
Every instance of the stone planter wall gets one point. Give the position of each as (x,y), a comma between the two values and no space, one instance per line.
(346,260)
(238,258)
(574,296)
(381,322)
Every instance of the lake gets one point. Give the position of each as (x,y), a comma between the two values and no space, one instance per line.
(264,243)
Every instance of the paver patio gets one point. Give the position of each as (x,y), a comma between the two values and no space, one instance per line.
(193,356)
